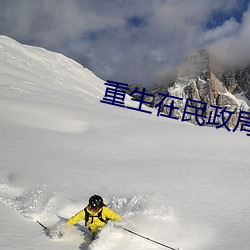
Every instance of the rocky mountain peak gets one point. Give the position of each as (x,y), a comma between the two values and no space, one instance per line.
(197,64)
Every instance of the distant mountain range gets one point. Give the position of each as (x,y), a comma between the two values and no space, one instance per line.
(197,79)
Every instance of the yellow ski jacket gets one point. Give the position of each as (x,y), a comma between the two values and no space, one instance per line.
(94,223)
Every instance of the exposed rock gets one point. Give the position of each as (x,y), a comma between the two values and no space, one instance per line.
(237,81)
(197,81)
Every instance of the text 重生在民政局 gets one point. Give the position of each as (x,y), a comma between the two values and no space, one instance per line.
(219,117)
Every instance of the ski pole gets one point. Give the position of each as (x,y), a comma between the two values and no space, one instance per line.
(45,228)
(146,238)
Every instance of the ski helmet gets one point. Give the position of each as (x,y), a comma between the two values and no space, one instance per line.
(96,202)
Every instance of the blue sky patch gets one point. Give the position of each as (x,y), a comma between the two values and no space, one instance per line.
(219,17)
(136,21)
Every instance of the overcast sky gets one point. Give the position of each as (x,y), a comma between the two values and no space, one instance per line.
(131,41)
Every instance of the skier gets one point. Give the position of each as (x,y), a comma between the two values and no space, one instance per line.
(95,214)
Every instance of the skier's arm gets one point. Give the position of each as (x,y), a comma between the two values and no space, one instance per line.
(77,217)
(110,214)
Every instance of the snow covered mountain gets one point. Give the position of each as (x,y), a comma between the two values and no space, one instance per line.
(183,185)
(198,79)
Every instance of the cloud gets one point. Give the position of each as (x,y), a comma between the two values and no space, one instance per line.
(232,50)
(129,41)
(228,28)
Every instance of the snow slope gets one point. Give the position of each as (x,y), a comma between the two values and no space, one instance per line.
(185,186)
